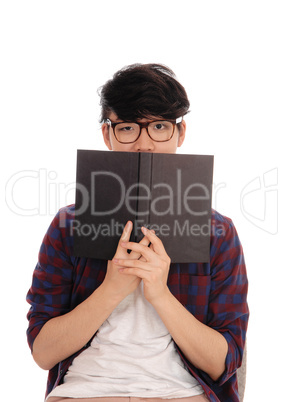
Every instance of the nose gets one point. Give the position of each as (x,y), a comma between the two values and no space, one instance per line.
(144,142)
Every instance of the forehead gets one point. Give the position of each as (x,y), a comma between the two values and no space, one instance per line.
(114,118)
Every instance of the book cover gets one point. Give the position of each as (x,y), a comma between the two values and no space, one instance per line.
(170,193)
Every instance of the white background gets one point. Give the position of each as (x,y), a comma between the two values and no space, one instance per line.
(54,56)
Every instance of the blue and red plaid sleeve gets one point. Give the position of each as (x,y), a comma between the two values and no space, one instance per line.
(222,305)
(228,309)
(49,295)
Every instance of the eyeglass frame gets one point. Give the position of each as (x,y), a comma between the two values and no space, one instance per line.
(143,125)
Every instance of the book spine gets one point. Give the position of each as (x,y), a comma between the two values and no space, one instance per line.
(144,193)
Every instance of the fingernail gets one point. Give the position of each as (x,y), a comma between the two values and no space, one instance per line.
(144,230)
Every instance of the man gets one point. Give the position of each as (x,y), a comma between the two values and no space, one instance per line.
(139,326)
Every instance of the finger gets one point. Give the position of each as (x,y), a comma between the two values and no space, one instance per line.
(139,248)
(154,240)
(136,255)
(140,273)
(129,264)
(126,232)
(124,237)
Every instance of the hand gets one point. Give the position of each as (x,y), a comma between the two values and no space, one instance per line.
(152,268)
(119,284)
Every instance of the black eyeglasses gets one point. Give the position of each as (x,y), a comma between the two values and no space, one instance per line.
(159,130)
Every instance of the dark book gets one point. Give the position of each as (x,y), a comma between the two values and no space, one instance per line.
(169,193)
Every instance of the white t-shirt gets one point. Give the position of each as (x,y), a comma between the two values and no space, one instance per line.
(132,354)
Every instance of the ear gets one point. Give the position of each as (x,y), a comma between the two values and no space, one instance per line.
(182,133)
(106,136)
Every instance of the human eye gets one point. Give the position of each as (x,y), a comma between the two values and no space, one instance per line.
(124,128)
(158,126)
(161,125)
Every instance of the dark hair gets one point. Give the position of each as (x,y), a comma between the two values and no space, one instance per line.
(142,91)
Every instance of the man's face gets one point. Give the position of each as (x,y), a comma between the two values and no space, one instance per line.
(144,143)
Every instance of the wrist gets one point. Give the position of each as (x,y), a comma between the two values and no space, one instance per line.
(159,301)
(105,294)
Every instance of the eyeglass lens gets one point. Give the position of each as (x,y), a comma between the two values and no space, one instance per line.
(158,131)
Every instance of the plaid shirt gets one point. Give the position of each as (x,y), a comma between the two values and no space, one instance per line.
(215,293)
